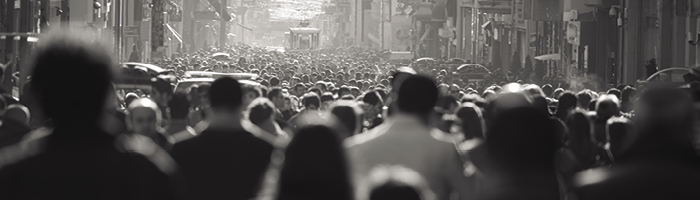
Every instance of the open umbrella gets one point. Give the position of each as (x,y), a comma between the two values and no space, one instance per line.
(221,56)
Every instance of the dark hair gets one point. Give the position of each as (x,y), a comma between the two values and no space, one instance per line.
(274,81)
(315,90)
(616,92)
(473,125)
(445,102)
(260,111)
(327,96)
(226,93)
(344,89)
(628,93)
(567,101)
(393,189)
(417,95)
(179,106)
(522,135)
(616,132)
(584,97)
(311,99)
(592,105)
(373,98)
(348,97)
(162,86)
(548,90)
(61,55)
(348,117)
(274,92)
(315,167)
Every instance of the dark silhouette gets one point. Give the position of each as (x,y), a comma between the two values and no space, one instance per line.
(315,167)
(224,161)
(567,102)
(397,182)
(662,163)
(349,116)
(521,145)
(76,154)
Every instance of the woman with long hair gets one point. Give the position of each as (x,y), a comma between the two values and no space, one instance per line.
(315,166)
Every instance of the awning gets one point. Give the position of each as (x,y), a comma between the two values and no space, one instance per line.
(555,56)
(172,30)
(439,12)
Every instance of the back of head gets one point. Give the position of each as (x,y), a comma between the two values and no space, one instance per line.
(63,55)
(373,98)
(260,110)
(628,94)
(17,113)
(579,126)
(665,123)
(557,93)
(225,93)
(417,95)
(179,106)
(607,106)
(397,182)
(327,96)
(349,115)
(473,125)
(522,136)
(315,166)
(311,101)
(616,92)
(162,86)
(548,90)
(567,101)
(584,98)
(619,133)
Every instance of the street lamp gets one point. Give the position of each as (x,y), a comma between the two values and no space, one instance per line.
(614,12)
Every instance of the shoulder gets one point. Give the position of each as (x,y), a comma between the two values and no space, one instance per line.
(31,145)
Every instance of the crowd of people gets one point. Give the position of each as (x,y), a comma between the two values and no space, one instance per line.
(335,124)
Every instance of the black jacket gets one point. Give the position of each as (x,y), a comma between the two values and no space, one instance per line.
(223,164)
(83,164)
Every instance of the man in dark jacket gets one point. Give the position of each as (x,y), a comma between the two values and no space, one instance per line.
(225,161)
(77,160)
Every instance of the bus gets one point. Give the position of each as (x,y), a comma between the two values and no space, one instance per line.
(303,38)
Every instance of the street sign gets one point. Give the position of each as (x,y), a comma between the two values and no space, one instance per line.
(131,31)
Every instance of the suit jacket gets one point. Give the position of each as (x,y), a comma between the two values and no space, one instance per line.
(223,164)
(403,140)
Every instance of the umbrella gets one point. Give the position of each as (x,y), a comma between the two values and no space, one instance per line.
(555,56)
(457,60)
(221,56)
(425,59)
